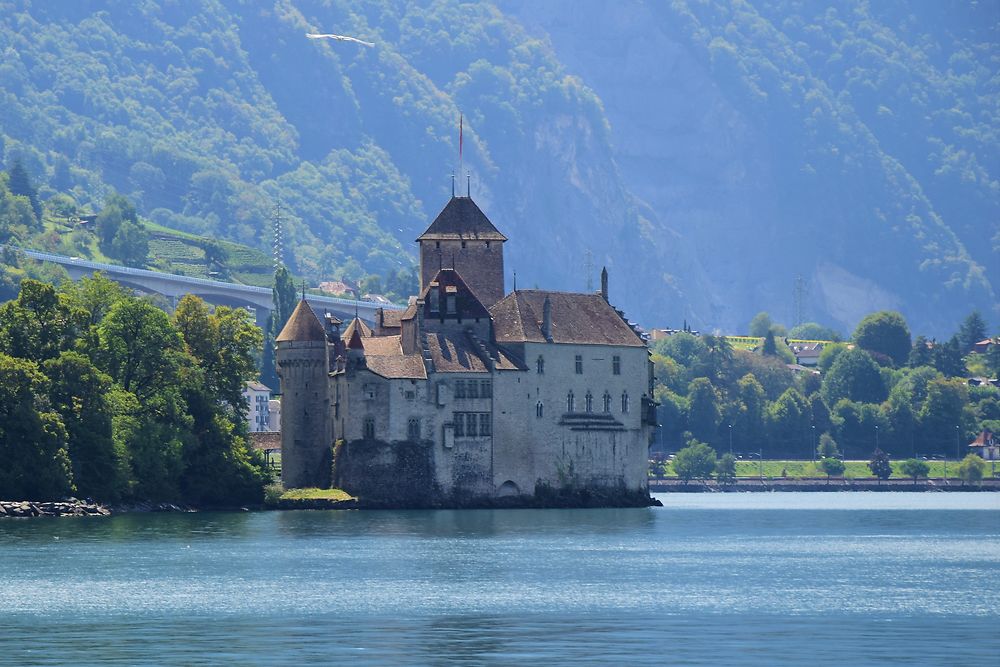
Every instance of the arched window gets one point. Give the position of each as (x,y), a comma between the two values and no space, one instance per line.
(369,428)
(540,364)
(607,402)
(590,401)
(570,403)
(624,402)
(539,410)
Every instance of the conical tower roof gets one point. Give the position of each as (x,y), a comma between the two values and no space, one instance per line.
(303,325)
(462,219)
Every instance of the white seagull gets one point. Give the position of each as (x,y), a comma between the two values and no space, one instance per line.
(339,38)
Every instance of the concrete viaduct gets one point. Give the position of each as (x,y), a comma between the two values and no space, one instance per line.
(217,292)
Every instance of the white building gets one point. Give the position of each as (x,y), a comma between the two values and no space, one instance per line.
(257,396)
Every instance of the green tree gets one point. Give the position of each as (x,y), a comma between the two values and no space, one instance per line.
(284,297)
(914,468)
(769,348)
(760,325)
(827,447)
(748,423)
(972,330)
(117,210)
(703,409)
(20,184)
(224,344)
(788,424)
(38,324)
(880,465)
(32,437)
(920,354)
(948,358)
(856,425)
(832,467)
(993,357)
(696,461)
(941,412)
(79,393)
(855,376)
(813,331)
(130,244)
(884,333)
(725,470)
(829,355)
(971,469)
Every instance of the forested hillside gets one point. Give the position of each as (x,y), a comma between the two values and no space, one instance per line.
(708,153)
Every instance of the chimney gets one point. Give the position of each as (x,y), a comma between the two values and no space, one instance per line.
(604,283)
(547,319)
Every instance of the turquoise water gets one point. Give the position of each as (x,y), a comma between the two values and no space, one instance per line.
(720,579)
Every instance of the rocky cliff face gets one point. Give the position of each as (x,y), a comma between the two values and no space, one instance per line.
(707,153)
(709,106)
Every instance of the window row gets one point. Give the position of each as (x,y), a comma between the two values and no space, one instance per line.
(473,388)
(616,364)
(589,403)
(471,424)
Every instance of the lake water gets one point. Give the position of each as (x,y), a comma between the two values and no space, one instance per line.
(709,579)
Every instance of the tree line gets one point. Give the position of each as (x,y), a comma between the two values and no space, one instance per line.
(104,395)
(882,389)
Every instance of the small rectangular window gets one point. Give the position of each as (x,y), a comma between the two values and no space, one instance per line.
(484,423)
(410,395)
(579,364)
(473,389)
(470,424)
(369,428)
(459,389)
(459,420)
(616,365)
(486,388)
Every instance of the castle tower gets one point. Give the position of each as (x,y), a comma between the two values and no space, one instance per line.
(463,238)
(303,366)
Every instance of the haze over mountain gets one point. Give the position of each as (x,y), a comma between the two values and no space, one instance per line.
(707,153)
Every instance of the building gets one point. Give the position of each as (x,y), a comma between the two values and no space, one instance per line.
(806,352)
(986,445)
(471,395)
(257,396)
(274,414)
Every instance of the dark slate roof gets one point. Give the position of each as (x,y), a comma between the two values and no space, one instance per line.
(303,325)
(467,304)
(576,318)
(461,219)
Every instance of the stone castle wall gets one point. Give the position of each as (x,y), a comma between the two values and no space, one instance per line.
(306,421)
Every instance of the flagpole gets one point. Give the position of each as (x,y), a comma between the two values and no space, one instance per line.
(461,162)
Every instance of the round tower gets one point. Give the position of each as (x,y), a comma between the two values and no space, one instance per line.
(304,369)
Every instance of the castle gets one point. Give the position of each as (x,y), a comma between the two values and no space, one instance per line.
(470,396)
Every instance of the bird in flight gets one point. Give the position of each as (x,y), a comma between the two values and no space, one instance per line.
(339,38)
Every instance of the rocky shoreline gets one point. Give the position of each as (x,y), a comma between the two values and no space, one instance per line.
(69,507)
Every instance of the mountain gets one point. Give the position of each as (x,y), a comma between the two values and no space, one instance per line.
(708,153)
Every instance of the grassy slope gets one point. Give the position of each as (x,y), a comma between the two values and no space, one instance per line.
(855,469)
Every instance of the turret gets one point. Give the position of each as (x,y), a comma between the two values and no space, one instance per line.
(303,365)
(463,238)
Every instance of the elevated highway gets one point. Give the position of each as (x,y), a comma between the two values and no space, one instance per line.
(218,292)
